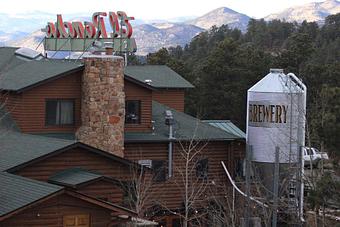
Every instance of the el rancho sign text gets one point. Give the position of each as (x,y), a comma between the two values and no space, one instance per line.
(119,22)
(79,36)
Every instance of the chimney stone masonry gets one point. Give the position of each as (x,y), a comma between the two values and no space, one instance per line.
(103,104)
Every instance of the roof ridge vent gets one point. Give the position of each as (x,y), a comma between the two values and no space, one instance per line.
(276,70)
(28,53)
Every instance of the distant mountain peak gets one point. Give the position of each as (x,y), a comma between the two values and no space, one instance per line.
(224,10)
(220,16)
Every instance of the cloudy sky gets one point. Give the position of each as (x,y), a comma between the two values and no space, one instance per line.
(149,9)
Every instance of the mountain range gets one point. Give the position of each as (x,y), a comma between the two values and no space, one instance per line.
(152,35)
(315,11)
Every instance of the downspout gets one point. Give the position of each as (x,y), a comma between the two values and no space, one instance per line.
(169,120)
(170,150)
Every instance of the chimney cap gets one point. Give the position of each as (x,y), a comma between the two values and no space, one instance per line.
(109,50)
(103,57)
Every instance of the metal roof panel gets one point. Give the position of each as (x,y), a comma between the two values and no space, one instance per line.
(73,177)
(161,76)
(227,126)
(17,192)
(17,148)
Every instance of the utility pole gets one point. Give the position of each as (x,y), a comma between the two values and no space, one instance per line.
(300,185)
(248,158)
(276,186)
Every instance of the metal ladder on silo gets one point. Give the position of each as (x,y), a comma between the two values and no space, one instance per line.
(293,200)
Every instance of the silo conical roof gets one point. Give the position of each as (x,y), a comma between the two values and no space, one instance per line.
(275,82)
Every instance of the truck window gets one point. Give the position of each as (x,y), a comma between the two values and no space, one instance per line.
(309,151)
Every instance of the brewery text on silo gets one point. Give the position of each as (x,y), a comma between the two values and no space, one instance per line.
(268,113)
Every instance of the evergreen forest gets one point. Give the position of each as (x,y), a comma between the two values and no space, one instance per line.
(224,63)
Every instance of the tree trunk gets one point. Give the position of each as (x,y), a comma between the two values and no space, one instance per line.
(323,215)
(186,216)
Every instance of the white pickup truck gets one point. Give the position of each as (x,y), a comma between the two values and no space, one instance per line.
(313,156)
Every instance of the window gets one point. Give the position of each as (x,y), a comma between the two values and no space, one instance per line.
(239,168)
(309,151)
(132,112)
(81,220)
(59,112)
(159,170)
(176,222)
(202,169)
(162,223)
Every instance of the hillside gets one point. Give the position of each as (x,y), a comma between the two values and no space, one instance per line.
(151,35)
(149,38)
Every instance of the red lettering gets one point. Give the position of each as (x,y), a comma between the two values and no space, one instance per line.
(127,31)
(61,30)
(100,25)
(113,18)
(50,30)
(120,24)
(70,29)
(78,29)
(90,30)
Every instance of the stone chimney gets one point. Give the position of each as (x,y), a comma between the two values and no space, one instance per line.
(103,104)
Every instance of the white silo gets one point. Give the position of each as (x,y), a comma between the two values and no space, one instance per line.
(276,110)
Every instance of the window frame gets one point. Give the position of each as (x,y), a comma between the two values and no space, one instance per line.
(139,111)
(58,100)
(159,173)
(202,173)
(239,167)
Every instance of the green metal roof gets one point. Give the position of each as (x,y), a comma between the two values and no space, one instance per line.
(73,177)
(227,126)
(18,148)
(8,58)
(17,192)
(186,128)
(160,75)
(18,73)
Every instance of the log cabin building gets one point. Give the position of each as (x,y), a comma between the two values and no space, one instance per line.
(76,137)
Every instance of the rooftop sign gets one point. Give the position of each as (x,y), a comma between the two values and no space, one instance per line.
(79,36)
